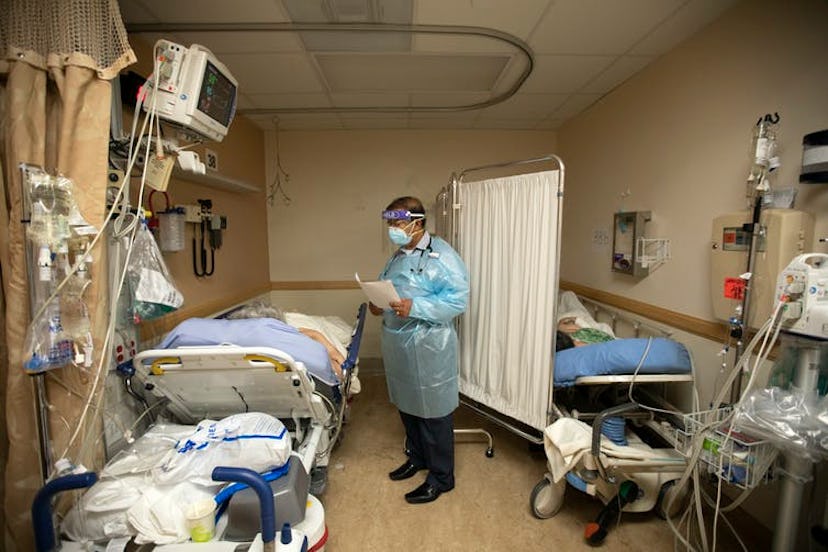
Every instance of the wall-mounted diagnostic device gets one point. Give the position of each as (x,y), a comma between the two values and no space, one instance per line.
(782,235)
(627,228)
(195,91)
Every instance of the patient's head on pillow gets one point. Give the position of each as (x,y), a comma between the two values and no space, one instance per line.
(257,309)
(569,324)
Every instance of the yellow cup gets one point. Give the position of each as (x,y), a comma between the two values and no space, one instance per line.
(201,519)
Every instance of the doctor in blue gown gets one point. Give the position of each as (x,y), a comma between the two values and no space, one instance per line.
(419,345)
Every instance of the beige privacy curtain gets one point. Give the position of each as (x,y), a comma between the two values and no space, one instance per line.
(508,238)
(56,58)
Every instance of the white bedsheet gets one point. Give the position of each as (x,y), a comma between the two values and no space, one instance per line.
(570,307)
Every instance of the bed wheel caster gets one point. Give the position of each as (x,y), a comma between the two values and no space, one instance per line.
(489,452)
(547,497)
(595,532)
(672,497)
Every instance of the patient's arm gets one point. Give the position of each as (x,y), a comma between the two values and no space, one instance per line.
(336,357)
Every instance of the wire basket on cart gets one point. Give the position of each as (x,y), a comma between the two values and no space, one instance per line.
(733,456)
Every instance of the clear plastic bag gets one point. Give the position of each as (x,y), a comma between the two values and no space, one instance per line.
(57,238)
(793,420)
(153,291)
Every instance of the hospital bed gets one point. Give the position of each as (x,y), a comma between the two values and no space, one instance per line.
(213,382)
(223,379)
(613,430)
(507,230)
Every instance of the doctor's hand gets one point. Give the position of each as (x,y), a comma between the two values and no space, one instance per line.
(375,310)
(402,308)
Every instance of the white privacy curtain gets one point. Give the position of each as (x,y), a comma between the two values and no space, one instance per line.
(508,237)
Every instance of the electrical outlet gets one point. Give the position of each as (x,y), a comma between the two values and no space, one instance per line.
(192,213)
(600,236)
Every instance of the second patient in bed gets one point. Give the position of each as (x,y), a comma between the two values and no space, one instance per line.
(571,334)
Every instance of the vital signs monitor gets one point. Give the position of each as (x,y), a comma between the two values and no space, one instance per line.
(195,91)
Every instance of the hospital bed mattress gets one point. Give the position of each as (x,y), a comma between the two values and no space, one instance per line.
(640,356)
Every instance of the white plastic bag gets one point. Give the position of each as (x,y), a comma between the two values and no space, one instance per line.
(147,451)
(153,291)
(159,516)
(101,513)
(251,440)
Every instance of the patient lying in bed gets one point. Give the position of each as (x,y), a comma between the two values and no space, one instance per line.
(256,332)
(608,355)
(576,327)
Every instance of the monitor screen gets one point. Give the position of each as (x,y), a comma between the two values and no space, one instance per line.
(217,95)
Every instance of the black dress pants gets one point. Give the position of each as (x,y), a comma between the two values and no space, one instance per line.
(431,446)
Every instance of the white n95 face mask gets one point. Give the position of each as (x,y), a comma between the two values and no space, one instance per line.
(398,236)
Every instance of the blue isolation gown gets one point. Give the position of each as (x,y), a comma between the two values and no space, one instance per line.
(420,351)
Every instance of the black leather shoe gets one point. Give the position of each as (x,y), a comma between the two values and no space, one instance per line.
(404,472)
(424,493)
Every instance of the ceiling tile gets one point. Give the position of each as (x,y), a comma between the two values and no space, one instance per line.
(550,124)
(598,26)
(326,123)
(623,68)
(441,122)
(350,11)
(369,100)
(564,74)
(448,99)
(518,18)
(273,73)
(459,116)
(245,42)
(356,41)
(525,106)
(517,124)
(377,123)
(516,67)
(345,115)
(263,122)
(244,102)
(692,17)
(265,101)
(178,11)
(461,44)
(575,104)
(409,73)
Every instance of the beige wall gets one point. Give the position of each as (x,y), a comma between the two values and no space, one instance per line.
(339,183)
(677,137)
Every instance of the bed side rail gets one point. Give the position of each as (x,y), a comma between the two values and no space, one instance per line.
(356,339)
(353,352)
(622,324)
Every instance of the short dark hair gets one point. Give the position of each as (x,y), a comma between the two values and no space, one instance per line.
(408,203)
(563,341)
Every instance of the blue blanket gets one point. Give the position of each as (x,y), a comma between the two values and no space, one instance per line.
(620,357)
(254,332)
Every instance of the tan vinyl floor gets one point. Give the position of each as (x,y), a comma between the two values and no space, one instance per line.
(489,507)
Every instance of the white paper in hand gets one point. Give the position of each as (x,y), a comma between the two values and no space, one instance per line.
(379,292)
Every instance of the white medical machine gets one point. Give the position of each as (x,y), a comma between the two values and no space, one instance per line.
(803,286)
(192,89)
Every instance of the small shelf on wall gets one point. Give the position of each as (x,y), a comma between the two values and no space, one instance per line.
(216,180)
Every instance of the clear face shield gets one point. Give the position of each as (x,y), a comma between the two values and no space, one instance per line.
(400,223)
(395,216)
